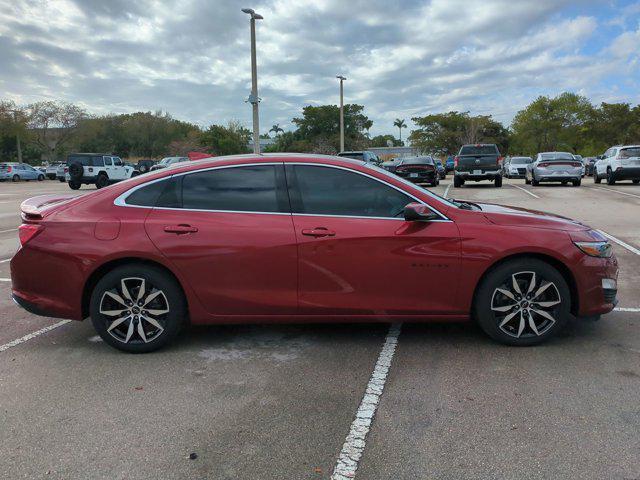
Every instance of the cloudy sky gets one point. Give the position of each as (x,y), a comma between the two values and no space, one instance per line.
(402,58)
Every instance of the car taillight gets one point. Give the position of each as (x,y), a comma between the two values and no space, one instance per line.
(498,160)
(66,169)
(28,231)
(543,165)
(455,161)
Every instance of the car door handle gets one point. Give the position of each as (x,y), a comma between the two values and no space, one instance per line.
(318,232)
(180,229)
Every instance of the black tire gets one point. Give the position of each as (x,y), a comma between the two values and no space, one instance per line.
(15,178)
(596,178)
(527,181)
(610,178)
(457,182)
(534,182)
(576,183)
(125,336)
(102,181)
(498,182)
(636,181)
(143,168)
(62,180)
(40,178)
(501,277)
(74,185)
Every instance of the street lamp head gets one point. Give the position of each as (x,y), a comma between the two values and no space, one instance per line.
(249,11)
(252,12)
(341,77)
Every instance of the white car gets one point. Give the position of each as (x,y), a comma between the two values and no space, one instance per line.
(96,168)
(619,163)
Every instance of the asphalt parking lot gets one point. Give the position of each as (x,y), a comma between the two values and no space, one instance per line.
(277,402)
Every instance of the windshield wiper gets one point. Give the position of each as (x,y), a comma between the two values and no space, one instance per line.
(464,205)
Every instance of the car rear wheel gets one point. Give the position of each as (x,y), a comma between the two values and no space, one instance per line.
(523,302)
(137,308)
(534,182)
(576,183)
(102,181)
(636,181)
(498,181)
(40,178)
(596,178)
(15,178)
(610,178)
(74,185)
(457,182)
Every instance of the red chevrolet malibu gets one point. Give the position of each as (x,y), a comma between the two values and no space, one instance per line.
(301,238)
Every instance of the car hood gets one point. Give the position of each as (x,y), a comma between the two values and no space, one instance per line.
(522,217)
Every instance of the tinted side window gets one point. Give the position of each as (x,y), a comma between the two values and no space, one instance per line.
(97,161)
(164,193)
(242,189)
(332,191)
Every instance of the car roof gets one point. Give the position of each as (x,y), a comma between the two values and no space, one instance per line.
(89,154)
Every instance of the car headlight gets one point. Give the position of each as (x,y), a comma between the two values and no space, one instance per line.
(601,249)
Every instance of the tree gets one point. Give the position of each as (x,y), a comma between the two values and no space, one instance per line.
(276,129)
(400,124)
(13,129)
(229,140)
(385,141)
(52,125)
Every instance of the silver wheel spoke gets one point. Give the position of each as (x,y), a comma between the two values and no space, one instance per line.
(506,293)
(129,332)
(112,313)
(521,327)
(546,304)
(544,314)
(516,287)
(541,289)
(157,312)
(506,319)
(532,285)
(153,322)
(117,322)
(143,336)
(117,298)
(141,292)
(151,297)
(532,325)
(125,290)
(506,308)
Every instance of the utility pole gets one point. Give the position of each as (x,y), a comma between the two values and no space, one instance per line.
(254,100)
(342,79)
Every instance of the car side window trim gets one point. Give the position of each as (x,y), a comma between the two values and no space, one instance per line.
(283,199)
(293,192)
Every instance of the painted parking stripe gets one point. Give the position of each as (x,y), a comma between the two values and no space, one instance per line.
(617,191)
(631,248)
(625,309)
(5,279)
(446,190)
(10,230)
(355,442)
(5,260)
(524,190)
(31,335)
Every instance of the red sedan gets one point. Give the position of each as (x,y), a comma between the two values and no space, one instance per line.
(298,238)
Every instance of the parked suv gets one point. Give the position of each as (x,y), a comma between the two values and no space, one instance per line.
(619,163)
(167,161)
(554,167)
(96,168)
(478,162)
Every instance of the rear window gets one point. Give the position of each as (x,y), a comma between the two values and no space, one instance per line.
(521,160)
(556,156)
(86,160)
(479,150)
(418,161)
(629,152)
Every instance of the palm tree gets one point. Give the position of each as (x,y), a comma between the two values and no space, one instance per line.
(276,129)
(400,124)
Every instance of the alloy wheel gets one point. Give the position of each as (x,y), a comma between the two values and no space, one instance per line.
(135,311)
(526,305)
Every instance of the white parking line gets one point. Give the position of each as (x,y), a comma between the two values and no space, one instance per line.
(29,336)
(631,248)
(446,190)
(524,190)
(10,230)
(625,309)
(356,439)
(5,279)
(5,260)
(617,191)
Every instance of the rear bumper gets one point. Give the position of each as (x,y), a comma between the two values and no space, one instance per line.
(558,178)
(485,175)
(627,173)
(422,177)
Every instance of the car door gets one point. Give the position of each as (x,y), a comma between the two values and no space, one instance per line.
(229,232)
(119,170)
(356,253)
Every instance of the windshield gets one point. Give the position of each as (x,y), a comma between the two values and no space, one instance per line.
(521,160)
(556,156)
(417,161)
(447,202)
(165,161)
(479,150)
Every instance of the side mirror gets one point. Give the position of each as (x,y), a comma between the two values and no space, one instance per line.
(418,212)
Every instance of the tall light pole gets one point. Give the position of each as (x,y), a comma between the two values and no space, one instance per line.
(342,79)
(253,98)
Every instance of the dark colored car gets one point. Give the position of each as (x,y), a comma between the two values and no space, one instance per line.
(363,156)
(391,165)
(588,165)
(144,166)
(442,172)
(420,169)
(301,238)
(478,162)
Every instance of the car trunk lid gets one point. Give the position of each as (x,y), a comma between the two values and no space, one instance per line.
(37,208)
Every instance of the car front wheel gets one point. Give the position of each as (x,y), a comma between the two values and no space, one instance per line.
(523,302)
(137,308)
